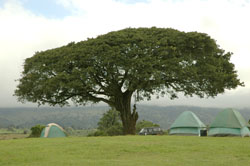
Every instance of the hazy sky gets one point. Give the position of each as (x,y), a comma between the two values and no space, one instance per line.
(27,26)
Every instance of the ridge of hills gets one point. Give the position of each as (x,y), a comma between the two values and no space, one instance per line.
(87,117)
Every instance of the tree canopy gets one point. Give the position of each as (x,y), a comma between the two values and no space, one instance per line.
(112,67)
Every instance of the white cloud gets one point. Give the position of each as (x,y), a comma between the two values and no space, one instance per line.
(22,33)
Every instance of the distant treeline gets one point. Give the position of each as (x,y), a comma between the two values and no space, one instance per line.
(88,117)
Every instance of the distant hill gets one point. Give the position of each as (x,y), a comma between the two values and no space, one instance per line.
(88,117)
(4,123)
(76,117)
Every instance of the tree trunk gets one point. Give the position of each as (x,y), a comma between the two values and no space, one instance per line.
(128,117)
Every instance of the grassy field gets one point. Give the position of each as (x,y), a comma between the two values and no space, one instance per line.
(126,150)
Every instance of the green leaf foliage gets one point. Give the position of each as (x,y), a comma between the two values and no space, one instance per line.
(109,125)
(113,66)
(109,119)
(36,130)
(147,60)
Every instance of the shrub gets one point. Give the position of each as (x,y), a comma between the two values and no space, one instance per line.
(115,130)
(36,130)
(109,125)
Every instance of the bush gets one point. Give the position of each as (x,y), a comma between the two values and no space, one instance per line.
(115,130)
(109,125)
(36,130)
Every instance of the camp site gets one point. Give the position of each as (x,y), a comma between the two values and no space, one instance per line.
(227,138)
(124,82)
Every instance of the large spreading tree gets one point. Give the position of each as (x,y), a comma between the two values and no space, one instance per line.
(112,67)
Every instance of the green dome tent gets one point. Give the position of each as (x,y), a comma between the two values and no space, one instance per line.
(187,124)
(53,130)
(229,123)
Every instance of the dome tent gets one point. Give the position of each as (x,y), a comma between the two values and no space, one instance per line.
(229,122)
(187,123)
(53,130)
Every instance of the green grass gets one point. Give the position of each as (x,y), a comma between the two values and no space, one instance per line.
(126,150)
